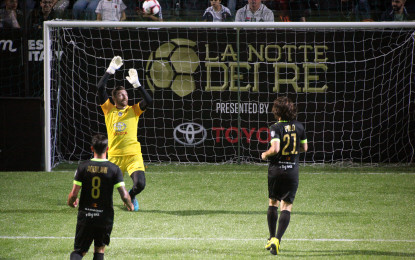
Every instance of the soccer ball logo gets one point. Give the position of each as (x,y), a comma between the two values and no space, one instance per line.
(172,66)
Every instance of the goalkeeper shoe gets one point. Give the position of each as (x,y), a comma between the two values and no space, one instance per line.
(134,201)
(275,246)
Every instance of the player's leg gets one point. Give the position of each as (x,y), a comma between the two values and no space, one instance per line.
(75,255)
(99,253)
(284,220)
(101,239)
(272,217)
(83,240)
(136,171)
(289,186)
(272,213)
(139,183)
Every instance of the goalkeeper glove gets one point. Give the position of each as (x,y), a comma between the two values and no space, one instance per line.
(133,78)
(115,64)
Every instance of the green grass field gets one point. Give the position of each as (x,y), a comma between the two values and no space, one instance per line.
(219,212)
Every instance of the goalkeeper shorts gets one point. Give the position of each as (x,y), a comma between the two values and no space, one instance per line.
(128,163)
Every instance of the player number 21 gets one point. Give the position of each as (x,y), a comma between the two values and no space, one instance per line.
(96,183)
(287,140)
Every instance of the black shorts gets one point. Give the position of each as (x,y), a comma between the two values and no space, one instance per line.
(282,184)
(85,234)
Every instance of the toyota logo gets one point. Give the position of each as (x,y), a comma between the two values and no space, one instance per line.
(189,134)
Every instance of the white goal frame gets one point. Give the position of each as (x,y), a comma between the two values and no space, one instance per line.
(48,25)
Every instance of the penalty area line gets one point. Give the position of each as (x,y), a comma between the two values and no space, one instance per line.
(226,239)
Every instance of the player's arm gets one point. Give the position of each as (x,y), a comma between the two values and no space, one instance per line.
(73,196)
(123,16)
(303,142)
(115,64)
(125,197)
(133,79)
(273,150)
(304,146)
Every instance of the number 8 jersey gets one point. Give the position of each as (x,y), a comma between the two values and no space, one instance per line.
(98,179)
(290,135)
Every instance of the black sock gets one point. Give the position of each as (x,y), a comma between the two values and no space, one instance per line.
(131,194)
(283,223)
(98,256)
(272,217)
(75,256)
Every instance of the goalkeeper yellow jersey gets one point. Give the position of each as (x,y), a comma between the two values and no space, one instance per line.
(122,129)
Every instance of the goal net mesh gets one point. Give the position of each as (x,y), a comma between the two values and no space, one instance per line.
(213,91)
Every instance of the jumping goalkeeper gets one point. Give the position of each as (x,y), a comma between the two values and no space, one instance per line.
(121,121)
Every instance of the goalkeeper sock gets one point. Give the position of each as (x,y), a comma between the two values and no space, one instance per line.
(283,223)
(132,195)
(98,256)
(272,217)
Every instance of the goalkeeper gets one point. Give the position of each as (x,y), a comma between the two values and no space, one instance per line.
(121,121)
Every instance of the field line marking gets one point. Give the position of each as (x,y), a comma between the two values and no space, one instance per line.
(224,239)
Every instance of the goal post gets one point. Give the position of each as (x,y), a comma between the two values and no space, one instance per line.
(213,85)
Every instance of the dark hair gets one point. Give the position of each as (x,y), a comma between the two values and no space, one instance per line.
(116,89)
(283,107)
(99,143)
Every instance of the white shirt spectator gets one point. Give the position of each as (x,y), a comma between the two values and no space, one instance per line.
(263,14)
(219,16)
(111,10)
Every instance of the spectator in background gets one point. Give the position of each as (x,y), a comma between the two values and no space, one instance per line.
(111,10)
(148,17)
(398,12)
(359,8)
(43,13)
(291,10)
(217,12)
(84,9)
(254,11)
(10,16)
(362,11)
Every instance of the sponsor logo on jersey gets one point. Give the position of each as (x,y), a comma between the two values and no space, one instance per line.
(119,127)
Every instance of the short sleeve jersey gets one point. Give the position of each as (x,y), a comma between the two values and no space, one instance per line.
(111,10)
(98,178)
(263,14)
(122,129)
(290,135)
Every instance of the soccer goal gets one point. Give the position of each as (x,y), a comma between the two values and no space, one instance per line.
(213,86)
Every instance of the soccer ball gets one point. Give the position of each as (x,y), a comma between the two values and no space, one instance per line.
(151,7)
(172,66)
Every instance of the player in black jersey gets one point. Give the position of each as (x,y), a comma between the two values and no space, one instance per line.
(97,177)
(288,139)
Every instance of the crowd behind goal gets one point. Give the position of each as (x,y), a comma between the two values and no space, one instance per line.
(17,13)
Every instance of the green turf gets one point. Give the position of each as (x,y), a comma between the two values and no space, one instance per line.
(219,212)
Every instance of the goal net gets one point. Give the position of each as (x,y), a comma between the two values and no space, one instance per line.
(213,88)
